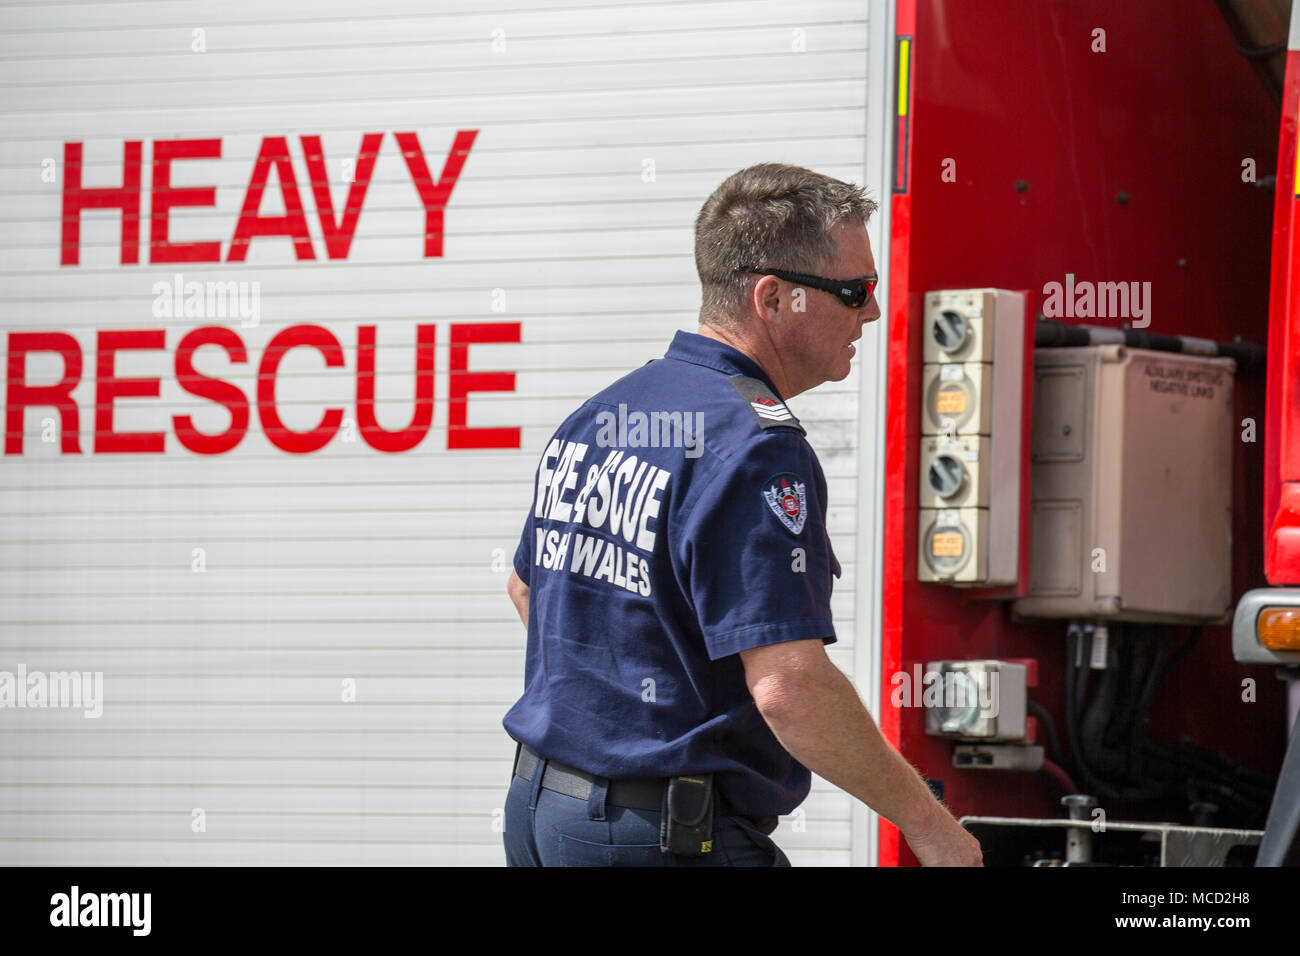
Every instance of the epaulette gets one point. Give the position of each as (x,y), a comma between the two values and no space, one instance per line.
(766,405)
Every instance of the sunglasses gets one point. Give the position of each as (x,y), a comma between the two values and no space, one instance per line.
(855,293)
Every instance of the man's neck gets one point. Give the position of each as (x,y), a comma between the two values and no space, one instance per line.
(759,348)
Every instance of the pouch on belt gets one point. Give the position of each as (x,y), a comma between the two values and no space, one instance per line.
(686,823)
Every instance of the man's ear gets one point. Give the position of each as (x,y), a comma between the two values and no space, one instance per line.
(766,298)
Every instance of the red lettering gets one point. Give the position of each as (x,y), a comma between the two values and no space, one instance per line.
(273,156)
(410,436)
(165,196)
(434,195)
(109,387)
(77,197)
(19,396)
(462,382)
(213,389)
(338,238)
(308,336)
(274,153)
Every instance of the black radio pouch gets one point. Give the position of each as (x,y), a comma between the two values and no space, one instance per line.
(686,824)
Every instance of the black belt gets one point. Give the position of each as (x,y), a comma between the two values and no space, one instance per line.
(646,793)
(635,793)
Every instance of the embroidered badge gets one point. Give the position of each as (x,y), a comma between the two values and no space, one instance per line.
(787,496)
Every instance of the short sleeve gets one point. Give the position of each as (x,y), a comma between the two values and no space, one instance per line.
(757,555)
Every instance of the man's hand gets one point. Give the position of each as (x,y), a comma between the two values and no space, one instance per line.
(945,843)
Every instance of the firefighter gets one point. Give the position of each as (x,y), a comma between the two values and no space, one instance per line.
(675,571)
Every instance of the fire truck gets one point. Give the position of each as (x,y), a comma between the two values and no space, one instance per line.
(293,296)
(1098,475)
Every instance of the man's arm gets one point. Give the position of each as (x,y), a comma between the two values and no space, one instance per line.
(518,592)
(817,716)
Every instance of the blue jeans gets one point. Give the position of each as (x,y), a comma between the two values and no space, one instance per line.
(545,828)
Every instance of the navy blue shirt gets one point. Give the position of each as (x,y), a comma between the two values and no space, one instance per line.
(679,517)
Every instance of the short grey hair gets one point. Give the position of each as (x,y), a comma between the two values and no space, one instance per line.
(769,216)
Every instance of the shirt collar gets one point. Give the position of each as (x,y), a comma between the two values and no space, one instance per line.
(710,353)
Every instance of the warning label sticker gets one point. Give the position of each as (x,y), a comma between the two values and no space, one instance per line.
(946,544)
(950,402)
(1183,380)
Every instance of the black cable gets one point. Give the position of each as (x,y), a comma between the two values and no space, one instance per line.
(1049,730)
(1260,52)
(1049,333)
(1073,646)
(1155,672)
(1083,670)
(1213,765)
(1078,652)
(1144,677)
(1096,717)
(1245,792)
(1127,663)
(1182,652)
(1108,744)
(1057,788)
(1099,764)
(1158,670)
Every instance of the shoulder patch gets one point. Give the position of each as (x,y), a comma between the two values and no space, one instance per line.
(770,411)
(787,495)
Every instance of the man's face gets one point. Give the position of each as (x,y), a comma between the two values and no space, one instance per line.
(817,343)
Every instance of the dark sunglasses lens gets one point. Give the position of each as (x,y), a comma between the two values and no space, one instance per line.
(857,297)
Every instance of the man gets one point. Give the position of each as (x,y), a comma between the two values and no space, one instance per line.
(675,571)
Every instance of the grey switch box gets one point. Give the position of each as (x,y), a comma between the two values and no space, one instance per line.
(956,472)
(1131,489)
(958,399)
(960,325)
